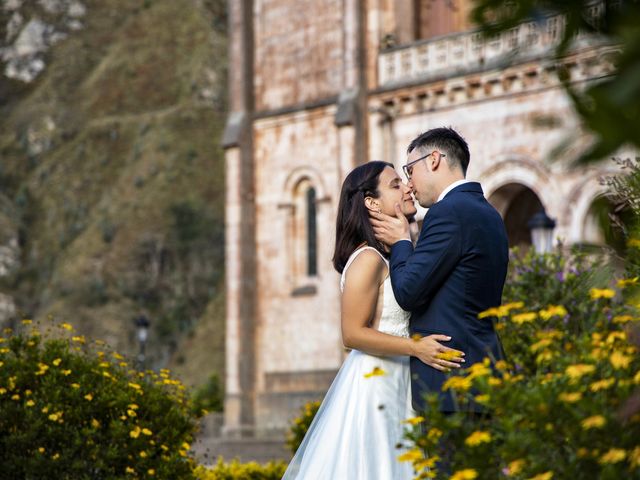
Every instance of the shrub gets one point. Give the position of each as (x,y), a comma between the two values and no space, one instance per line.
(74,410)
(301,424)
(241,471)
(557,399)
(208,398)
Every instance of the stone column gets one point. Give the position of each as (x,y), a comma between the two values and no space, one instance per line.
(240,270)
(350,118)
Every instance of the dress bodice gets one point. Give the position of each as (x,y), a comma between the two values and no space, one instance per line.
(393,319)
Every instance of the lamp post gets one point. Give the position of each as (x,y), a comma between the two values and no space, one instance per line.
(142,326)
(541,227)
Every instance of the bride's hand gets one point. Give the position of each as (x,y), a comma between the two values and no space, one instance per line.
(428,350)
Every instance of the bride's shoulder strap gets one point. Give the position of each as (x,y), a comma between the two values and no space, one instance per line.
(353,256)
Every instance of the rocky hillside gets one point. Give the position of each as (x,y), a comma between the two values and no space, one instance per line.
(111,174)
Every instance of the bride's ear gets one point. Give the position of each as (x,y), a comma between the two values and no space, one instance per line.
(372,204)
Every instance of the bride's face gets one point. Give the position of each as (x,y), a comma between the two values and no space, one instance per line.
(391,191)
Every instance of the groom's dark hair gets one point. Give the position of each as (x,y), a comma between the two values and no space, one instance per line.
(353,227)
(447,141)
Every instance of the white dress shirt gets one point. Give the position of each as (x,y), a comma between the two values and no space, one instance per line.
(451,187)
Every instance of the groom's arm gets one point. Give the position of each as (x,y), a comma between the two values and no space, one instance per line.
(417,274)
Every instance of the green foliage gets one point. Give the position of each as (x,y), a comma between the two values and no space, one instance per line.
(571,367)
(209,397)
(241,471)
(72,410)
(609,108)
(301,425)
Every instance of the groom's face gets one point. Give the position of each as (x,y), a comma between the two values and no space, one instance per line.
(422,179)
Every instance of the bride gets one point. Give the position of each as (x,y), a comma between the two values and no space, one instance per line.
(357,429)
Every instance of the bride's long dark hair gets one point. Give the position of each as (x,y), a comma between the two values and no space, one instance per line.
(353,227)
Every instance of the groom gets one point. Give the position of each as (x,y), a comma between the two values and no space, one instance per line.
(459,264)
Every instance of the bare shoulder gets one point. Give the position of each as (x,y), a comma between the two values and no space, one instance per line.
(367,268)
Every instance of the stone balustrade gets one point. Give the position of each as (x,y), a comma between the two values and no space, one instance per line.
(469,52)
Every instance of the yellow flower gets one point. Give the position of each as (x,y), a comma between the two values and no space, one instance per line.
(88,397)
(135,433)
(622,318)
(3,391)
(544,356)
(553,311)
(27,322)
(479,370)
(434,434)
(129,470)
(41,449)
(494,312)
(54,417)
(634,457)
(457,383)
(79,339)
(95,423)
(575,372)
(105,364)
(55,457)
(524,318)
(618,360)
(133,406)
(411,456)
(484,399)
(614,455)
(131,413)
(143,454)
(15,397)
(478,437)
(636,378)
(545,342)
(515,467)
(633,243)
(466,474)
(376,372)
(570,397)
(413,420)
(146,431)
(151,471)
(30,403)
(75,385)
(57,361)
(135,386)
(596,421)
(448,355)
(613,336)
(596,293)
(425,463)
(67,326)
(542,476)
(66,373)
(185,446)
(625,282)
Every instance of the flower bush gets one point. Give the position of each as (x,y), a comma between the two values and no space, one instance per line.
(72,409)
(557,407)
(235,470)
(301,424)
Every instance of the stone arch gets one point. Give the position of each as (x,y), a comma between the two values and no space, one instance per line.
(301,174)
(517,188)
(579,209)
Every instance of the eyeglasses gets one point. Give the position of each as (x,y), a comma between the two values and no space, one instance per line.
(408,168)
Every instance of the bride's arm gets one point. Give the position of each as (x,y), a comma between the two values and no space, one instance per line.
(359,303)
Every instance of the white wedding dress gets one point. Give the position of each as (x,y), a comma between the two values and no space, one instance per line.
(356,432)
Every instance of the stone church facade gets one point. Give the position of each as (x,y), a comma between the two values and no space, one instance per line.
(318,87)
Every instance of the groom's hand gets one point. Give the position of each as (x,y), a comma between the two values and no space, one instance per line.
(429,350)
(390,230)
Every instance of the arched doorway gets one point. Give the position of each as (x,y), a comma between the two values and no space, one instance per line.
(516,203)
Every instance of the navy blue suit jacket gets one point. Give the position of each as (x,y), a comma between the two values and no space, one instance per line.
(457,270)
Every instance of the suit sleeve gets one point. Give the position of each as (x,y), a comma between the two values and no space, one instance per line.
(417,274)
